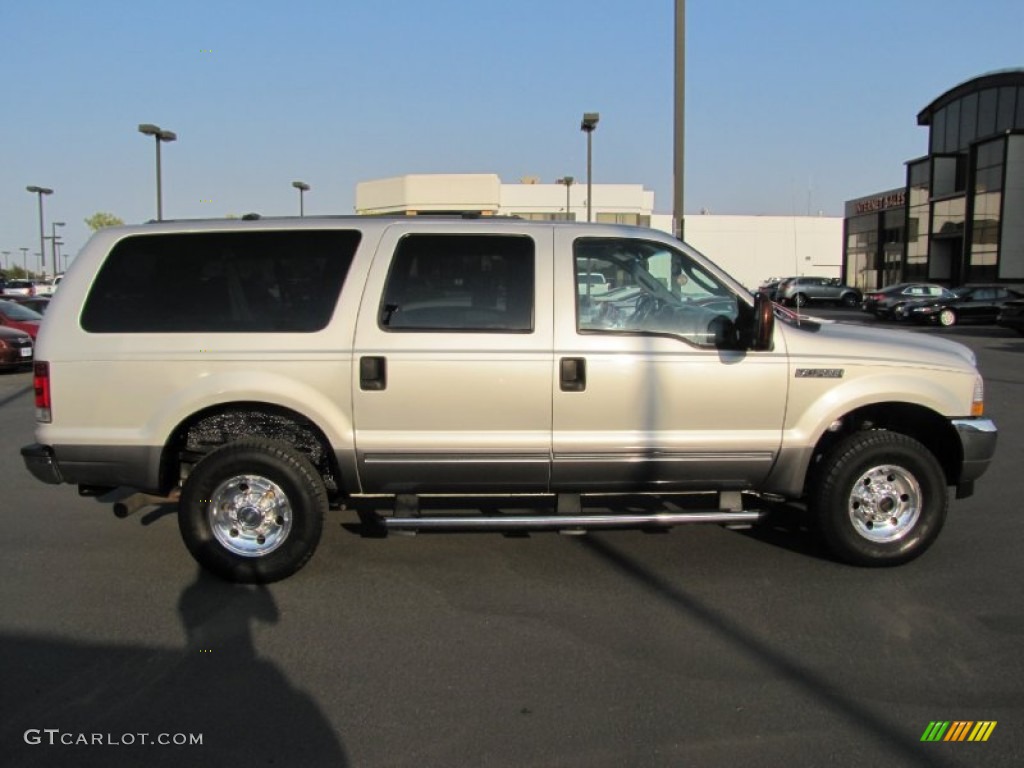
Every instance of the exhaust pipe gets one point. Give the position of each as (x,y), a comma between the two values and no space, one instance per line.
(129,505)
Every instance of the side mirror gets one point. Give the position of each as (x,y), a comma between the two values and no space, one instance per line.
(764,324)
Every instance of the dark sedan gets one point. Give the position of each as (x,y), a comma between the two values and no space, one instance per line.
(884,302)
(35,303)
(976,303)
(1012,316)
(15,349)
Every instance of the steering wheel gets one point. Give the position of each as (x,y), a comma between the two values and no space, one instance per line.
(646,306)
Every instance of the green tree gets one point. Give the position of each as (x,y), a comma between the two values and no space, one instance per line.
(102,219)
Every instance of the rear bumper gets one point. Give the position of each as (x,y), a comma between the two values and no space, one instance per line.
(40,461)
(95,465)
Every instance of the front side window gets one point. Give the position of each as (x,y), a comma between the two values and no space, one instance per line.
(458,283)
(652,288)
(221,282)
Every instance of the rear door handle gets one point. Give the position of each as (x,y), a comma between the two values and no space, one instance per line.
(573,374)
(373,374)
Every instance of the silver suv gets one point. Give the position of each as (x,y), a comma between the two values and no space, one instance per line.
(800,291)
(258,372)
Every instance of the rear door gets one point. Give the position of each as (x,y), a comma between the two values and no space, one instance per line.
(453,365)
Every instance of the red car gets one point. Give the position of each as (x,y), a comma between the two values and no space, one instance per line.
(22,318)
(15,349)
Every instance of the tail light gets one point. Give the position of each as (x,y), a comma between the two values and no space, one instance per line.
(41,385)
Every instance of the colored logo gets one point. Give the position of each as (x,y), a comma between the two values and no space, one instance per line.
(958,730)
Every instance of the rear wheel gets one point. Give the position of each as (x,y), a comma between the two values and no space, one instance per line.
(849,300)
(947,318)
(252,511)
(799,300)
(880,498)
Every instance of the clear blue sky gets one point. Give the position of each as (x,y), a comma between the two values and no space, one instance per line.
(790,105)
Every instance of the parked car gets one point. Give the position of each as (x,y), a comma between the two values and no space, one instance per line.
(19,288)
(14,315)
(883,303)
(15,349)
(978,304)
(45,287)
(35,303)
(591,283)
(255,372)
(800,291)
(1012,315)
(770,287)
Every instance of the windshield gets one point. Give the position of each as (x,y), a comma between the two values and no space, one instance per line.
(654,288)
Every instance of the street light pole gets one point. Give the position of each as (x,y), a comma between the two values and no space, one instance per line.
(680,118)
(40,191)
(53,243)
(7,259)
(24,260)
(160,135)
(568,181)
(588,125)
(303,188)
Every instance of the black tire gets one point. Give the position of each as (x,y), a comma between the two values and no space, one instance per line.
(252,511)
(872,475)
(849,300)
(799,300)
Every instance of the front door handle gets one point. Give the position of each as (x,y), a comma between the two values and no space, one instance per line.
(573,374)
(373,374)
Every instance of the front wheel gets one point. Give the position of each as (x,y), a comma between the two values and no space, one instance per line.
(800,300)
(252,511)
(947,318)
(880,498)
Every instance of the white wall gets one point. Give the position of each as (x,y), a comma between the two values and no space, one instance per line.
(430,192)
(754,248)
(750,248)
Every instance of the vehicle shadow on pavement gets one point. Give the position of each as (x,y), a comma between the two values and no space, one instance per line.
(790,527)
(742,639)
(100,699)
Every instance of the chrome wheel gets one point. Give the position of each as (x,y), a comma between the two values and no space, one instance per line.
(885,503)
(250,515)
(947,317)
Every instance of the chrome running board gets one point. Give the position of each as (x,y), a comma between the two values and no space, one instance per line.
(558,522)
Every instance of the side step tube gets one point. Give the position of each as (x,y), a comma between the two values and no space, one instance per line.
(556,522)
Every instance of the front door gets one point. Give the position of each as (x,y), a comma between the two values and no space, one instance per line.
(653,390)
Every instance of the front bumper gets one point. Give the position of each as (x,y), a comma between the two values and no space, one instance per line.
(978,439)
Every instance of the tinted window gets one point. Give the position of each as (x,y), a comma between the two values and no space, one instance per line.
(657,290)
(224,282)
(460,283)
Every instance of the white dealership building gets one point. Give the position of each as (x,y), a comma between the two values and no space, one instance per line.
(750,248)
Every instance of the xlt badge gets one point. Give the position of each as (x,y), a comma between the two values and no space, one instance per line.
(820,373)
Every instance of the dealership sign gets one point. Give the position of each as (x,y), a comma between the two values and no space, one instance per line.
(881,202)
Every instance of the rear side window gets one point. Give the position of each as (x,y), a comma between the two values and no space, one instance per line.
(221,282)
(458,283)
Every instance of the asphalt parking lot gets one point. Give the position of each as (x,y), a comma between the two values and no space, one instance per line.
(701,646)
